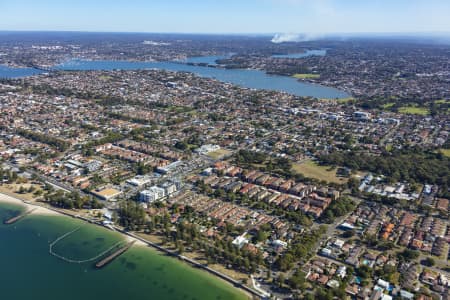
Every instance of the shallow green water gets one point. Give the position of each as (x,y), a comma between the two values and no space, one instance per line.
(28,271)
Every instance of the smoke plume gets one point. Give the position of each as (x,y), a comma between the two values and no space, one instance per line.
(294,37)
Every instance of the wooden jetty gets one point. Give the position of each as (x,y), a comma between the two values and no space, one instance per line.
(17,218)
(114,255)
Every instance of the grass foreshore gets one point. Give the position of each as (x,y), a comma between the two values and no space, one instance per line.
(44,210)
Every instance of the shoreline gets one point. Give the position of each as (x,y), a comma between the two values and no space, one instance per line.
(130,236)
(37,209)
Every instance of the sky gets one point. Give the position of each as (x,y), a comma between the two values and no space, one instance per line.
(228,16)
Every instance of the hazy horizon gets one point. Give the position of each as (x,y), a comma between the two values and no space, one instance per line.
(309,17)
(274,36)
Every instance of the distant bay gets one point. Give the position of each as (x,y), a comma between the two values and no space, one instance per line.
(254,79)
(321,52)
(8,72)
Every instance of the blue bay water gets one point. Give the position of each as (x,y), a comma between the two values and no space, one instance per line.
(7,72)
(254,79)
(210,60)
(321,52)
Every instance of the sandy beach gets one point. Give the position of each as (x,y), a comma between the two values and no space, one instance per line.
(37,209)
(43,211)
